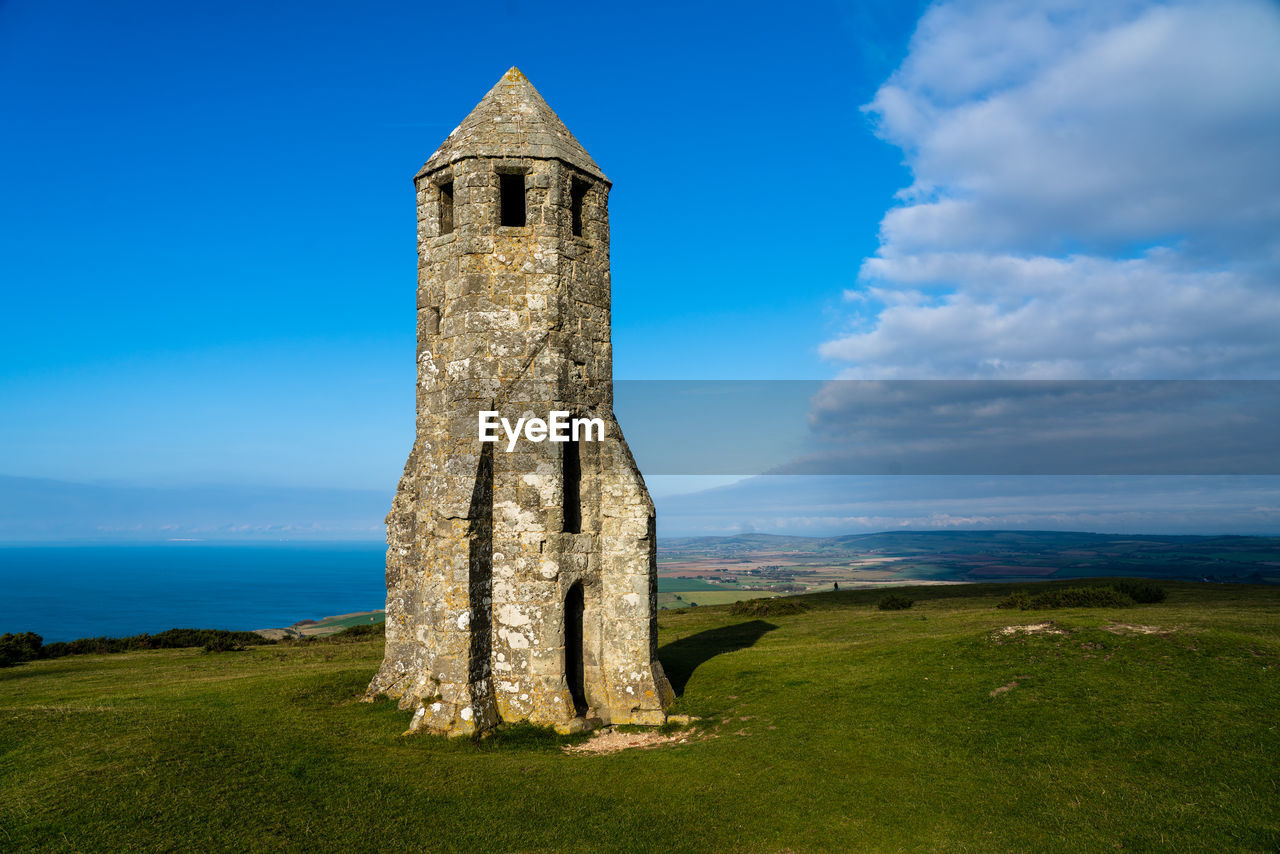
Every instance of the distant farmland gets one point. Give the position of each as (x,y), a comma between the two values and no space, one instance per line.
(757,565)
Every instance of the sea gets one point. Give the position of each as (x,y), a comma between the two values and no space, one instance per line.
(64,592)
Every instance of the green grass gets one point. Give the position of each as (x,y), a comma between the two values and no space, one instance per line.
(841,728)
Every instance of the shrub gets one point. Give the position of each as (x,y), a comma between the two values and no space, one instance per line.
(767,607)
(1019,599)
(213,640)
(363,630)
(895,602)
(177,638)
(1081,597)
(353,634)
(222,644)
(1118,594)
(20,647)
(1141,591)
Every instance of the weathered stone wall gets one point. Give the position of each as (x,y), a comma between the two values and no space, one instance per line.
(479,564)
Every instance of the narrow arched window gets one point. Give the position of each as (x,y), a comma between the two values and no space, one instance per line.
(446,207)
(572,473)
(511,206)
(578,189)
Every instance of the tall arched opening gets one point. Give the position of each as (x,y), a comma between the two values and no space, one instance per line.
(574,604)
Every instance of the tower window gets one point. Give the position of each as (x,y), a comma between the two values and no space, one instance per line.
(446,208)
(511,202)
(572,488)
(577,195)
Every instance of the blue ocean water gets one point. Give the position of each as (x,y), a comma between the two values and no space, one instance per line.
(64,592)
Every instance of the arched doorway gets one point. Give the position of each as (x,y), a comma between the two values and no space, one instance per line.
(574,605)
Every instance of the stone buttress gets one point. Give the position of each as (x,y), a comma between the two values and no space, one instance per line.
(521,586)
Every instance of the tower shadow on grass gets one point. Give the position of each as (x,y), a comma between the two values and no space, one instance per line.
(680,658)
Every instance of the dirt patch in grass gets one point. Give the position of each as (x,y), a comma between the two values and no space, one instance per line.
(1003,689)
(612,741)
(1048,627)
(1132,629)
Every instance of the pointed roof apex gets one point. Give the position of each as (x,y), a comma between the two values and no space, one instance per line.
(512,120)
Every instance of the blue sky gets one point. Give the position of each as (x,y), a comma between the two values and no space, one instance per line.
(207,233)
(208,226)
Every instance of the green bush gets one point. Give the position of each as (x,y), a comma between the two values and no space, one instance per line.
(362,631)
(1117,594)
(215,640)
(20,647)
(895,602)
(351,634)
(1143,592)
(178,638)
(222,643)
(767,607)
(1019,600)
(1081,597)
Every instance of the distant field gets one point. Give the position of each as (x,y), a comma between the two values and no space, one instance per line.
(352,620)
(843,728)
(972,556)
(676,585)
(326,626)
(1247,556)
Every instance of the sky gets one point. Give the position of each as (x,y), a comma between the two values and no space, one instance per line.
(207,225)
(1094,192)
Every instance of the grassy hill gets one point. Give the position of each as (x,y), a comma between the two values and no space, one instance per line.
(840,728)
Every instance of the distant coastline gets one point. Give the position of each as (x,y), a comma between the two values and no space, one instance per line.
(325,625)
(65,591)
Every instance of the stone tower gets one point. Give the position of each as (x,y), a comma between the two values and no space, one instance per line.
(521,585)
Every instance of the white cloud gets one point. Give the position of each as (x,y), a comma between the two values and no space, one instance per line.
(1096,193)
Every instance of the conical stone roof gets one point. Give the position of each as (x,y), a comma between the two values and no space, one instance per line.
(512,120)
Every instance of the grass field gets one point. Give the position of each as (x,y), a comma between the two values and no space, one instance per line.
(353,620)
(841,728)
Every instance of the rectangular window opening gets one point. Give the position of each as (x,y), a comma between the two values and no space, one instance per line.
(511,201)
(577,195)
(446,208)
(572,488)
